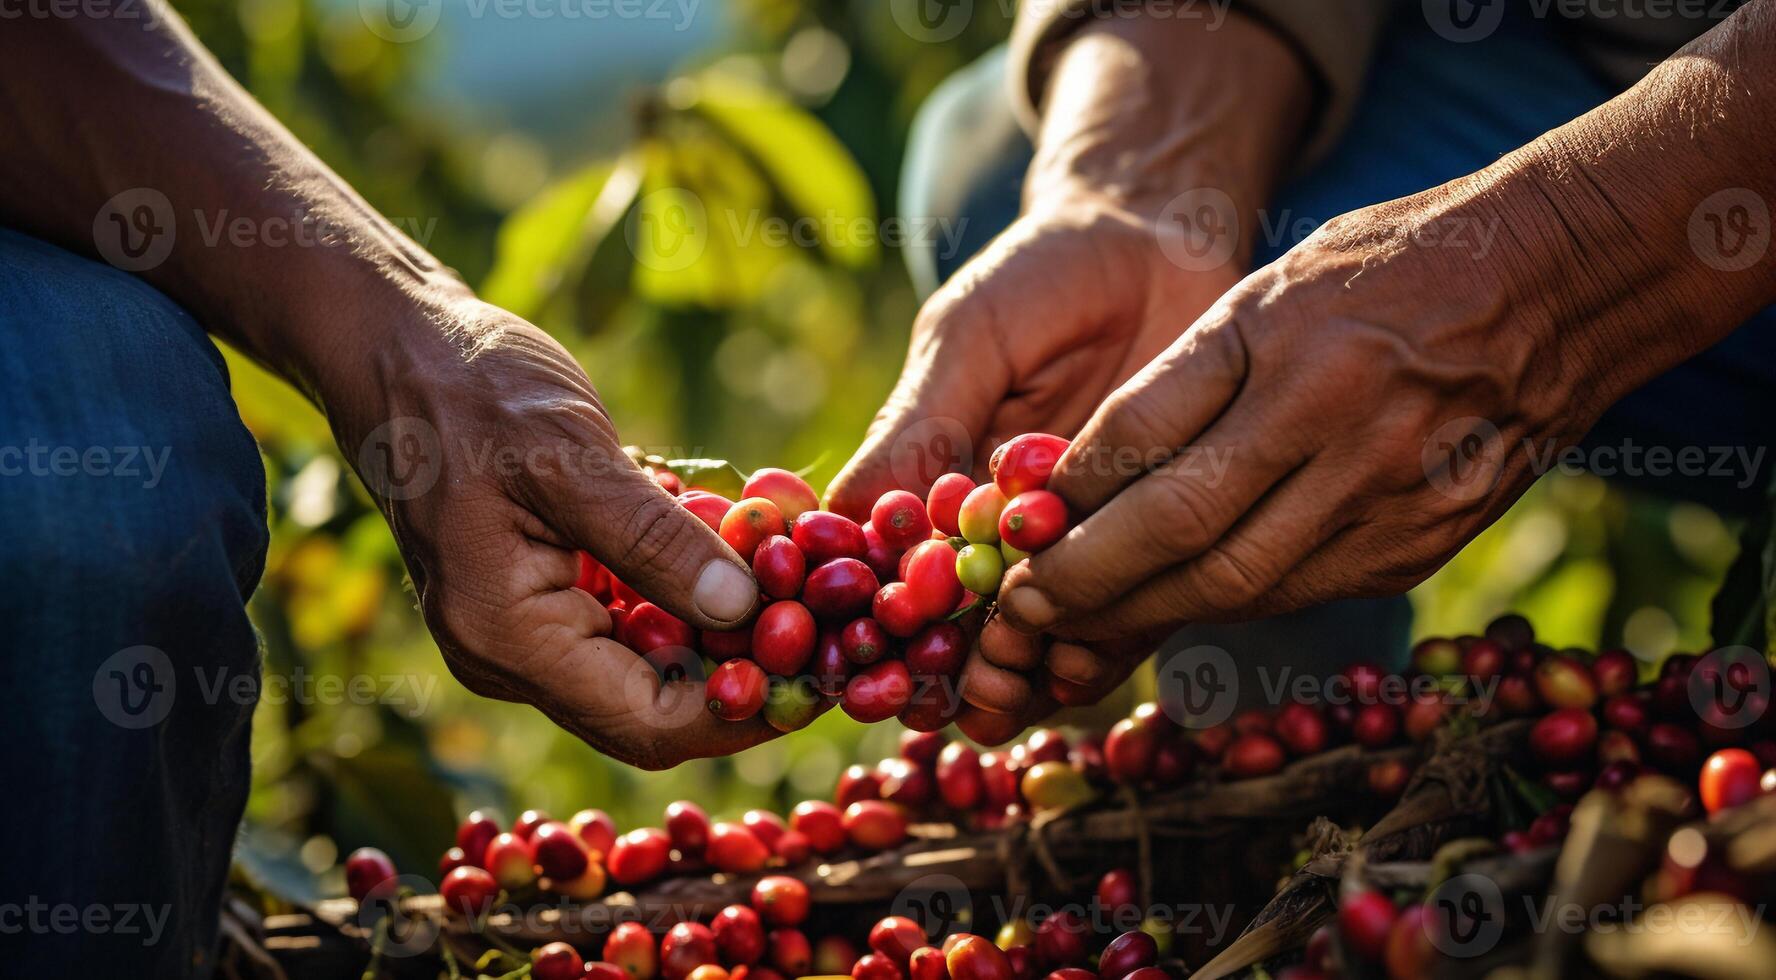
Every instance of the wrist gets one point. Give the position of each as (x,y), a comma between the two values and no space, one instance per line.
(1139,110)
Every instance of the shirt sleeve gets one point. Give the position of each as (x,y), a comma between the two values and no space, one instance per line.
(1336,39)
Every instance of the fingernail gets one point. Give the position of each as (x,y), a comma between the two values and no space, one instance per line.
(1026,606)
(724,592)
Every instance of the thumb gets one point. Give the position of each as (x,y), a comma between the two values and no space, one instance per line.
(663,551)
(939,411)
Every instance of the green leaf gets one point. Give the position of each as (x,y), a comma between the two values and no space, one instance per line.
(812,171)
(544,246)
(718,475)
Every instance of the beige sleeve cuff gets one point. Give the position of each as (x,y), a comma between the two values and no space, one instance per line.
(1336,39)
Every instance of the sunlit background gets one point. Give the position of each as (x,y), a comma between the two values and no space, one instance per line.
(501,143)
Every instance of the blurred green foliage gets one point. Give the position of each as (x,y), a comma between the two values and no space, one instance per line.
(769,355)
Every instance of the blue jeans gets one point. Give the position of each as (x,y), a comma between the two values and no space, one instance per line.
(1433,110)
(133,505)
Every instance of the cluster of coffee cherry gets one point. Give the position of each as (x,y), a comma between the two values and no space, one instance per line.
(865,614)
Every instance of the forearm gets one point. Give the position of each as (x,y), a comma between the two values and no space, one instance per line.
(270,249)
(1144,108)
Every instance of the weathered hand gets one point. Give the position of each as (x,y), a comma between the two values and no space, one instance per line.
(1080,292)
(1384,391)
(494,462)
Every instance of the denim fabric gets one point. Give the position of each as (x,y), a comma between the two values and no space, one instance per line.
(132,531)
(1433,110)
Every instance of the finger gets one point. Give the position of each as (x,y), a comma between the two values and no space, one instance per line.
(1002,646)
(612,698)
(1235,578)
(992,688)
(937,413)
(989,728)
(655,546)
(1167,405)
(1171,516)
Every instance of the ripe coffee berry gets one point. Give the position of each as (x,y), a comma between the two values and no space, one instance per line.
(739,935)
(779,567)
(875,825)
(632,948)
(736,690)
(510,861)
(556,961)
(895,937)
(648,628)
(829,667)
(938,650)
(1365,919)
(823,537)
(944,503)
(931,580)
(857,783)
(1033,520)
(735,849)
(477,830)
(900,518)
(821,822)
(1025,462)
(789,952)
(365,869)
(782,639)
(559,853)
(1729,777)
(709,508)
(639,856)
(749,523)
(840,589)
(863,641)
(596,829)
(686,947)
(789,492)
(781,900)
(959,779)
(688,826)
(469,892)
(1250,756)
(896,611)
(878,692)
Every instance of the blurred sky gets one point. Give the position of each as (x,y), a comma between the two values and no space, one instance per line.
(559,75)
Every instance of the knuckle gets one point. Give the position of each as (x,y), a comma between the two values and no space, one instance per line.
(1187,524)
(1229,580)
(656,531)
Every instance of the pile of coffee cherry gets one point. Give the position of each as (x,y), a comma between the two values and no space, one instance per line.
(867,614)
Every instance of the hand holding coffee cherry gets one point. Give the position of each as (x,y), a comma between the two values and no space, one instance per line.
(861,614)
